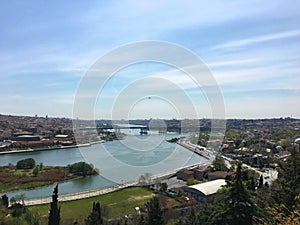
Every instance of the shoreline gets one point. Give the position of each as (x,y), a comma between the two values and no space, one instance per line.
(105,190)
(108,189)
(200,150)
(51,148)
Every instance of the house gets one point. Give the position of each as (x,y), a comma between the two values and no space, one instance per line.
(184,174)
(219,175)
(199,174)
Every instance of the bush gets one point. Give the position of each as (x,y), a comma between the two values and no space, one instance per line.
(82,168)
(192,181)
(28,163)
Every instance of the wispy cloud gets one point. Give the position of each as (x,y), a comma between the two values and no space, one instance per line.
(258,39)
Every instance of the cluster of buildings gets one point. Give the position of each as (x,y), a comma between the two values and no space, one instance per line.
(201,174)
(22,132)
(260,143)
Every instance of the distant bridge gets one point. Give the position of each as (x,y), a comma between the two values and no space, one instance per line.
(144,129)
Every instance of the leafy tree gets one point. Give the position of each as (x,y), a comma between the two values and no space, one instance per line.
(145,179)
(163,186)
(17,210)
(192,181)
(54,213)
(95,217)
(35,171)
(4,200)
(288,182)
(191,219)
(219,164)
(81,168)
(251,184)
(28,163)
(278,215)
(155,213)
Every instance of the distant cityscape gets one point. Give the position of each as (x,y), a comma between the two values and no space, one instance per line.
(264,136)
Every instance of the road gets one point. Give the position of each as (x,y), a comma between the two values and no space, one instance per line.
(269,175)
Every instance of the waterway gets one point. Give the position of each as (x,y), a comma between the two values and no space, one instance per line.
(118,161)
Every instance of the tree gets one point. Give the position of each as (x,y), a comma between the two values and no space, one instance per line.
(35,171)
(192,181)
(288,182)
(28,163)
(238,207)
(4,200)
(145,179)
(54,213)
(95,217)
(191,219)
(155,213)
(142,220)
(82,168)
(163,186)
(219,164)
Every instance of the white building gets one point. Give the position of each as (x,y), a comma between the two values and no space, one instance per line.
(201,191)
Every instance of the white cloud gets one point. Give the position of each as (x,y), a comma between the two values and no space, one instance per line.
(258,39)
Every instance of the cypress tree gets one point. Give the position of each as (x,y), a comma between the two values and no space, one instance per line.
(155,214)
(54,213)
(238,207)
(95,218)
(241,209)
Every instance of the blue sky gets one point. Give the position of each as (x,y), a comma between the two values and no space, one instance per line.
(251,47)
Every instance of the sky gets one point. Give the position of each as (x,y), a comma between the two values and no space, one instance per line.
(251,48)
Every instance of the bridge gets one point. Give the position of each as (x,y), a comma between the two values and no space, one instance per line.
(144,129)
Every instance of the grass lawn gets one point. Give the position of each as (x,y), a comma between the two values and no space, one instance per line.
(116,204)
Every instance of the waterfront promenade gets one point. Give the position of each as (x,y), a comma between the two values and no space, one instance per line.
(80,195)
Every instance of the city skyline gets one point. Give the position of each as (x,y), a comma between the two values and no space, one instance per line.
(250,48)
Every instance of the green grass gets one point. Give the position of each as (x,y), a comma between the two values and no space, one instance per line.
(116,204)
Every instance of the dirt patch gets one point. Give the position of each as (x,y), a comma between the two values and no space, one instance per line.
(137,198)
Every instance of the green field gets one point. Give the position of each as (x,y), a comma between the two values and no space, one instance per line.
(116,204)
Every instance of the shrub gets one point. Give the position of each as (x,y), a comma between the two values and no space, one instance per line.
(28,163)
(81,168)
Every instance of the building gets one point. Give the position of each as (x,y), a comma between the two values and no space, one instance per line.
(200,192)
(199,173)
(219,175)
(184,174)
(27,138)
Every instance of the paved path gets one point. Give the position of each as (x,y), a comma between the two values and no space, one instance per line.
(80,195)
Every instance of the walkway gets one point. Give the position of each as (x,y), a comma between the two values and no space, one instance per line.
(80,195)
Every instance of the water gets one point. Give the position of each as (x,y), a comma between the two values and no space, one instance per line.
(118,162)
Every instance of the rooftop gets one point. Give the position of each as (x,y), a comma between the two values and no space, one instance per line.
(210,187)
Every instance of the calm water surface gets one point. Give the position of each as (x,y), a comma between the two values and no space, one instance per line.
(118,162)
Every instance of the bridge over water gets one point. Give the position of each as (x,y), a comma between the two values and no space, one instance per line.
(145,129)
